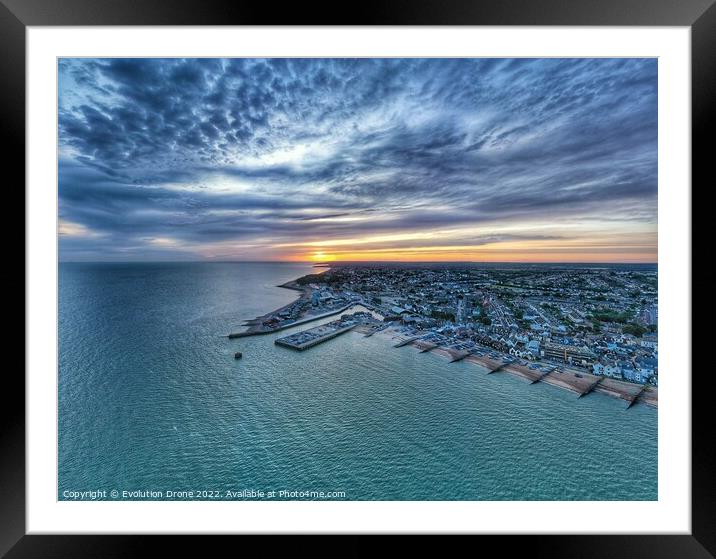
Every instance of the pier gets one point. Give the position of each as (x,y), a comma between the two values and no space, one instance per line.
(428,346)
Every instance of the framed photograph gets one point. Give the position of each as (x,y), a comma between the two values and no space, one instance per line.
(426,271)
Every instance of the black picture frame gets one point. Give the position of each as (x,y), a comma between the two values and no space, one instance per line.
(699,15)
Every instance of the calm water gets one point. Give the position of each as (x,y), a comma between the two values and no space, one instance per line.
(150,398)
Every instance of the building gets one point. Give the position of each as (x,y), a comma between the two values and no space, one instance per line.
(608,370)
(533,347)
(569,353)
(649,341)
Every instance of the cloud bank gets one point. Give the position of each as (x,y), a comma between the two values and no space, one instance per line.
(266,159)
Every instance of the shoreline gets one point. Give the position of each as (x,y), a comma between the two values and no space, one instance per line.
(559,377)
(288,285)
(254,326)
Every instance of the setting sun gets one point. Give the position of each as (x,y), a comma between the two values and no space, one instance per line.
(321,257)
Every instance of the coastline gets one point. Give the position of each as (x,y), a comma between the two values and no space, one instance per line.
(561,377)
(579,382)
(255,326)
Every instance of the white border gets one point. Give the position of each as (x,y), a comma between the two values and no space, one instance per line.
(670,514)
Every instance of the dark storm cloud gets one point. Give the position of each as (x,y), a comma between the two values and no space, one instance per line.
(211,150)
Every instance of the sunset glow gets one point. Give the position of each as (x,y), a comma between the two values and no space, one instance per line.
(321,160)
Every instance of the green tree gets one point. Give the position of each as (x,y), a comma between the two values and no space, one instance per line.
(634,329)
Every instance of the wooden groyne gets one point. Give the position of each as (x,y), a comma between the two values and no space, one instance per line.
(591,387)
(407,341)
(497,369)
(458,356)
(619,389)
(531,375)
(541,377)
(636,396)
(424,345)
(650,397)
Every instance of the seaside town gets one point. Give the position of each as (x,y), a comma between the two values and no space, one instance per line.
(585,327)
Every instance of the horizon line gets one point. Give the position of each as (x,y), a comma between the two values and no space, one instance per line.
(327,263)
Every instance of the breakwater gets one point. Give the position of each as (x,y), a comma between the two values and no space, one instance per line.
(314,336)
(305,320)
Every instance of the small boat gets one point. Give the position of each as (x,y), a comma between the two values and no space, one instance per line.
(237,355)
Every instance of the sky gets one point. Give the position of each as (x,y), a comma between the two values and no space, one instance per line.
(526,160)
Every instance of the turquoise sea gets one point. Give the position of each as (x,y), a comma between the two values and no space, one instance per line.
(151,399)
